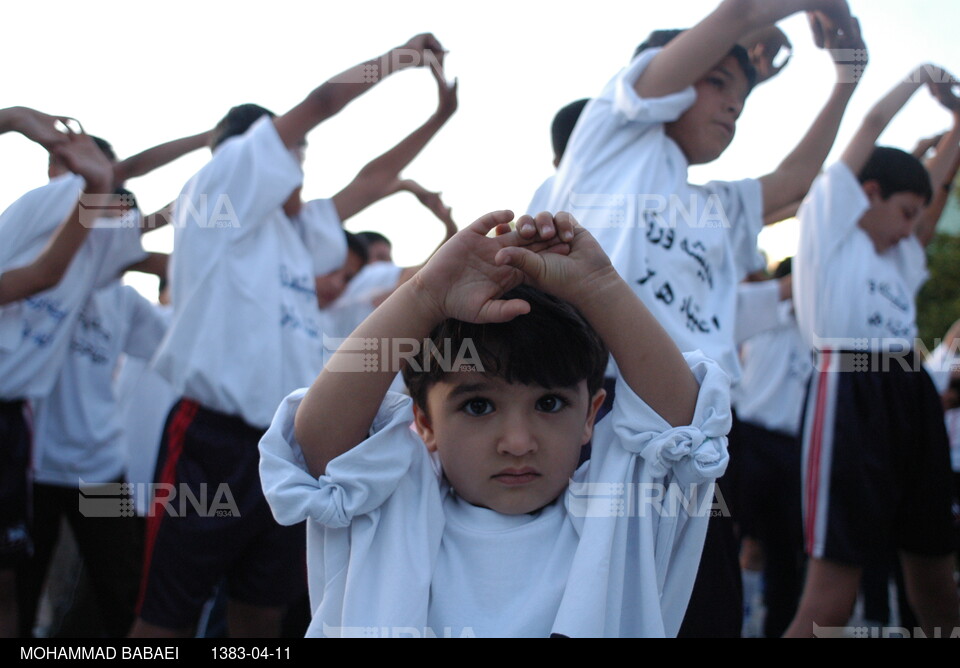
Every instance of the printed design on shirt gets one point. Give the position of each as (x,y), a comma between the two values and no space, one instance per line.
(893,294)
(303,283)
(690,312)
(694,322)
(91,339)
(42,320)
(699,252)
(299,298)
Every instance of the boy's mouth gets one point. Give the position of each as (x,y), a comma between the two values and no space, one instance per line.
(730,128)
(516,476)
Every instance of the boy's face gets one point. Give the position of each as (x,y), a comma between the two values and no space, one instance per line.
(506,446)
(889,221)
(379,251)
(330,286)
(706,129)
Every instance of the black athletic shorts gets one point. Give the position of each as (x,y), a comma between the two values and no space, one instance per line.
(876,466)
(15,447)
(209,522)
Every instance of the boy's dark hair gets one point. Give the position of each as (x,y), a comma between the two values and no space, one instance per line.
(370,237)
(659,38)
(563,124)
(897,171)
(105,148)
(356,244)
(785,268)
(552,346)
(237,121)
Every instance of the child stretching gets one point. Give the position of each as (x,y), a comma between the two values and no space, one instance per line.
(876,466)
(486,526)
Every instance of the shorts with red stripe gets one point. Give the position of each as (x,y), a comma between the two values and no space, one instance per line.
(209,523)
(876,466)
(15,445)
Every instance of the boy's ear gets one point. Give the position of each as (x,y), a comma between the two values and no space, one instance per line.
(595,403)
(422,422)
(873,191)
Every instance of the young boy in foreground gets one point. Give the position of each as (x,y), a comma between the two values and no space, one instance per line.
(477,528)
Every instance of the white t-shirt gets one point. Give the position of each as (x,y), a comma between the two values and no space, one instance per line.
(361,296)
(683,248)
(145,399)
(942,364)
(952,417)
(78,426)
(541,198)
(848,297)
(382,549)
(35,332)
(246,328)
(776,368)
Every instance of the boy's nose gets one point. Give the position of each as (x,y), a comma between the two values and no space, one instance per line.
(517,439)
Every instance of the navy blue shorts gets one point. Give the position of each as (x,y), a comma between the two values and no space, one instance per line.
(876,463)
(15,446)
(210,523)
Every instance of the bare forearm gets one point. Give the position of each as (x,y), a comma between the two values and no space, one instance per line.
(691,55)
(644,352)
(793,177)
(323,429)
(332,96)
(53,261)
(154,263)
(876,121)
(158,156)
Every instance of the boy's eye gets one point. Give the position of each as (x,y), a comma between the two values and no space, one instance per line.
(551,404)
(477,407)
(715,81)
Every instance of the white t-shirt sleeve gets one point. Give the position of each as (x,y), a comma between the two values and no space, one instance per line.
(147,325)
(355,483)
(640,544)
(629,106)
(912,262)
(249,177)
(319,225)
(122,249)
(832,209)
(757,309)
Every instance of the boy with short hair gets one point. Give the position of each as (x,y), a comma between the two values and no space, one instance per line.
(683,247)
(876,466)
(246,331)
(481,532)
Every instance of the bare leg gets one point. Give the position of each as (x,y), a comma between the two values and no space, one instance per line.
(142,629)
(828,597)
(253,621)
(932,592)
(8,604)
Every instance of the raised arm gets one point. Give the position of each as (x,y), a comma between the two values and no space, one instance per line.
(791,180)
(878,118)
(686,59)
(943,167)
(461,281)
(34,125)
(647,357)
(381,176)
(158,156)
(83,157)
(332,96)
